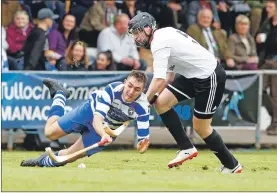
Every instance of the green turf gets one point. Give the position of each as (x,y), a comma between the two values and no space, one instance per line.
(128,170)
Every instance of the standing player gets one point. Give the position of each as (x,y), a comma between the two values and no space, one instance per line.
(198,75)
(117,103)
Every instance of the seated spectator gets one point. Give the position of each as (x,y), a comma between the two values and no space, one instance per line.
(59,39)
(174,14)
(98,17)
(103,62)
(17,32)
(124,50)
(55,6)
(212,39)
(131,8)
(75,57)
(78,8)
(4,42)
(36,43)
(270,62)
(242,45)
(195,6)
(4,61)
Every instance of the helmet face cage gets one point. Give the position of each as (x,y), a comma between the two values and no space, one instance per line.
(138,34)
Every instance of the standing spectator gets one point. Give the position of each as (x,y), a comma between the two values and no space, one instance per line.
(195,6)
(255,15)
(17,32)
(59,39)
(75,57)
(212,39)
(224,16)
(242,45)
(103,62)
(265,27)
(270,62)
(124,50)
(236,8)
(98,17)
(36,43)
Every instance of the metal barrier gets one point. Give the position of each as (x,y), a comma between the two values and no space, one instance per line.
(261,73)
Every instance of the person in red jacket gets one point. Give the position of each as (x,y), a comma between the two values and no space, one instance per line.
(17,32)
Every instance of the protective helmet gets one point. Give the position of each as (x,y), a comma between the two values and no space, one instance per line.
(137,24)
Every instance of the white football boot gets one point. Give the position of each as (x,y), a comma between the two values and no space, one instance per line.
(225,170)
(183,155)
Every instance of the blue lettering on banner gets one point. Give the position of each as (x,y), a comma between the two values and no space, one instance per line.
(184,112)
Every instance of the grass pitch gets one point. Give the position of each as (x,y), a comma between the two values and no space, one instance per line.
(128,170)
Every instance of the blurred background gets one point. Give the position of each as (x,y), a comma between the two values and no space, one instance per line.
(86,47)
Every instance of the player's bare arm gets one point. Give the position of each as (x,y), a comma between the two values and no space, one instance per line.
(98,126)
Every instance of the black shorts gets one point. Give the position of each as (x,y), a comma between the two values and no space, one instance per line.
(207,92)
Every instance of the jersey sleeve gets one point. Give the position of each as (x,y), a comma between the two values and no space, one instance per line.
(142,121)
(103,101)
(160,62)
(160,49)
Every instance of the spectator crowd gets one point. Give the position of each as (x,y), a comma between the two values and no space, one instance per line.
(91,35)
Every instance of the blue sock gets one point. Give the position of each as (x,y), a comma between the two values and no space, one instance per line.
(47,162)
(57,108)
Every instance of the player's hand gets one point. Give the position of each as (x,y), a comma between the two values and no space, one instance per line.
(143,145)
(108,138)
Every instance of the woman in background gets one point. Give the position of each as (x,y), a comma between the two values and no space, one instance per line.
(103,62)
(75,57)
(60,38)
(242,45)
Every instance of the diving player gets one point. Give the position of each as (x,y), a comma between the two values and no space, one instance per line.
(117,103)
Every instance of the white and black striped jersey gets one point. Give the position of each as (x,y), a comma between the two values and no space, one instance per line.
(175,51)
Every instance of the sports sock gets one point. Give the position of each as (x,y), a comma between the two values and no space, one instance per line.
(172,121)
(216,144)
(47,162)
(57,108)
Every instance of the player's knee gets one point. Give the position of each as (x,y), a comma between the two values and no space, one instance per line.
(161,106)
(49,133)
(201,126)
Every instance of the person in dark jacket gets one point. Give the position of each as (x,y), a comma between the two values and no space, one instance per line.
(36,43)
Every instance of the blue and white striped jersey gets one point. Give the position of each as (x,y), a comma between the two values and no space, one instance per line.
(109,104)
